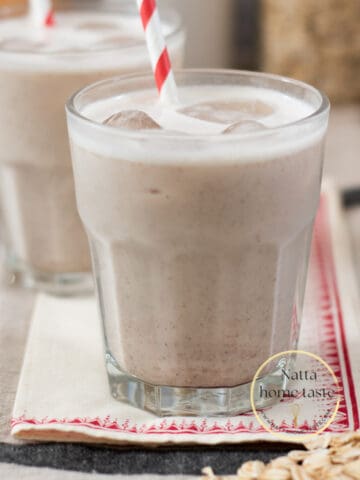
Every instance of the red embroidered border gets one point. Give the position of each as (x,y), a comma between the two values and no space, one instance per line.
(323,225)
(326,270)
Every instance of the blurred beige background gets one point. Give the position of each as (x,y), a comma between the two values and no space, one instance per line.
(209,27)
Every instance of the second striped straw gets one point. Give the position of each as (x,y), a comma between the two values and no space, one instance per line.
(42,13)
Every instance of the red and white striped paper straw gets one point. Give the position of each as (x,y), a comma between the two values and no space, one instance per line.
(159,56)
(42,12)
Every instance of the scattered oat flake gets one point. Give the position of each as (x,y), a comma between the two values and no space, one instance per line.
(273,473)
(319,441)
(298,473)
(251,470)
(327,458)
(353,469)
(298,455)
(283,462)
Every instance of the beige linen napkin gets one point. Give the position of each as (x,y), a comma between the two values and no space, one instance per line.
(63,393)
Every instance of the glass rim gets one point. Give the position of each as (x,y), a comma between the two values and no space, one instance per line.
(176,28)
(322,110)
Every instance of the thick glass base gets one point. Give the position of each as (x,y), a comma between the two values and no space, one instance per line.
(60,284)
(175,401)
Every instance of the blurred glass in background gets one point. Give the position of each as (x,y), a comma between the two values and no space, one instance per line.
(315,41)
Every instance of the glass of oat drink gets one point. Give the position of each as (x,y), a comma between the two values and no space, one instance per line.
(199,242)
(39,69)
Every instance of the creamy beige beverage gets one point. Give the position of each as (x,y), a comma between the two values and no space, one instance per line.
(200,242)
(39,70)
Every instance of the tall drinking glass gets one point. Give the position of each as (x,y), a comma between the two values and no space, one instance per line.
(39,69)
(200,243)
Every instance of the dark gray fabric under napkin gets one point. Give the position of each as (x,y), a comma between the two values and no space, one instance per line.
(166,461)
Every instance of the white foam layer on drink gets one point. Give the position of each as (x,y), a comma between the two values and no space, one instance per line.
(75,36)
(284,110)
